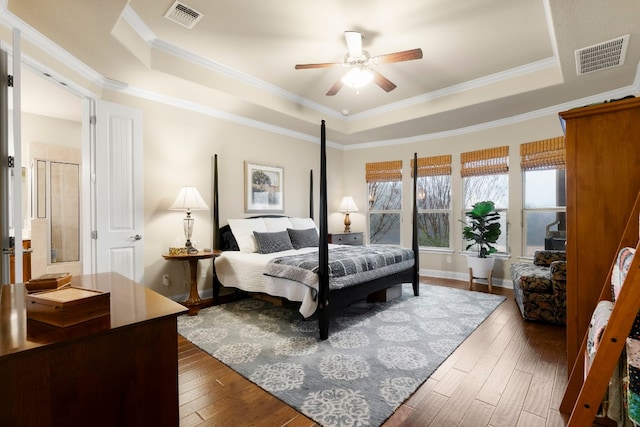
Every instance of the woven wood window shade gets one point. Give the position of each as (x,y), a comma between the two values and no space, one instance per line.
(433,166)
(491,161)
(384,171)
(545,154)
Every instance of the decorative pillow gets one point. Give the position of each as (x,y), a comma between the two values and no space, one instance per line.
(302,223)
(243,232)
(303,238)
(227,240)
(272,242)
(277,224)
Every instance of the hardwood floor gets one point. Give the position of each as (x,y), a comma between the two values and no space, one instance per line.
(507,373)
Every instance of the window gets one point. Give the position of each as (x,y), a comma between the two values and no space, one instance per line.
(384,181)
(484,177)
(434,201)
(544,195)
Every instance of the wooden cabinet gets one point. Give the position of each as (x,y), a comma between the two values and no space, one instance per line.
(353,239)
(117,370)
(603,179)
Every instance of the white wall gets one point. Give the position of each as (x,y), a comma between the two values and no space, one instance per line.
(178,148)
(179,145)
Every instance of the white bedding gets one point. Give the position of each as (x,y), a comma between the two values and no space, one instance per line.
(245,271)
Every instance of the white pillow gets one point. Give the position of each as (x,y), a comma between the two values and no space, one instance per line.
(243,229)
(277,224)
(302,223)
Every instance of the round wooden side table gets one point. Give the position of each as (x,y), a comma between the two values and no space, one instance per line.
(194,303)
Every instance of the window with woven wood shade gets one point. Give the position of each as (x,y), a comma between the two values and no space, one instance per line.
(434,201)
(544,197)
(433,166)
(544,154)
(490,161)
(384,171)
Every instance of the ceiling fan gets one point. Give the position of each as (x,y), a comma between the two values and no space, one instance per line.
(361,64)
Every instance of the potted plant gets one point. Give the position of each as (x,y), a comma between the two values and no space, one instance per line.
(483,230)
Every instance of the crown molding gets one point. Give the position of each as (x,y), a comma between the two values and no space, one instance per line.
(460,88)
(10,21)
(223,115)
(146,34)
(614,94)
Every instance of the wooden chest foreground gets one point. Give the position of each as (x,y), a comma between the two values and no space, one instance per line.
(122,372)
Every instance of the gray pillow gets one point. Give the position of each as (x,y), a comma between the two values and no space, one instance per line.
(272,242)
(303,238)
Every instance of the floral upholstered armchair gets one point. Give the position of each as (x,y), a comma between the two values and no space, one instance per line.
(540,288)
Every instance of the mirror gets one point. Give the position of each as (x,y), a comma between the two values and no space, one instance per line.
(56,197)
(65,212)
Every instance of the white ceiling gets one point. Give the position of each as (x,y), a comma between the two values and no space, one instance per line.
(484,60)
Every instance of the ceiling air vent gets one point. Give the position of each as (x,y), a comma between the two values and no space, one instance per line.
(601,56)
(182,14)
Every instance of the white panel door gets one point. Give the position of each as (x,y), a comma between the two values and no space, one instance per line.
(119,191)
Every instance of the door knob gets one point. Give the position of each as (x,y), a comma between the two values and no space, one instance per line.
(137,237)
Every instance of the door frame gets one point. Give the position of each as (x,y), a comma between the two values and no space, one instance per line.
(11,213)
(87,178)
(89,199)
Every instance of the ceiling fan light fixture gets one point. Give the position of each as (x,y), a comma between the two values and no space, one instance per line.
(360,64)
(358,77)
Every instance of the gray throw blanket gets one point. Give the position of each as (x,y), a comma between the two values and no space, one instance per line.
(348,265)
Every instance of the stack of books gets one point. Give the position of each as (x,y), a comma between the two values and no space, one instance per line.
(48,281)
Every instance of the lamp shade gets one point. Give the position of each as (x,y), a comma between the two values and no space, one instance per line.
(189,200)
(357,77)
(347,205)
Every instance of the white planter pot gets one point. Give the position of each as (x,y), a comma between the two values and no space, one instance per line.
(480,267)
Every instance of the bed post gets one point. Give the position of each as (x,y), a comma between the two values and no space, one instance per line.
(414,230)
(216,229)
(216,214)
(323,246)
(311,194)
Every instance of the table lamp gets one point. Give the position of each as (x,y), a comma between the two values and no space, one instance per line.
(189,200)
(347,205)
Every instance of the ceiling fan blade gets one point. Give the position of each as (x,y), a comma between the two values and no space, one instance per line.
(405,55)
(335,88)
(354,43)
(325,65)
(383,82)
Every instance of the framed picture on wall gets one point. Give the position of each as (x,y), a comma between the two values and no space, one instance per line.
(263,188)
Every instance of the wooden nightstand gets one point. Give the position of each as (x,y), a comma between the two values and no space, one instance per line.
(194,303)
(353,239)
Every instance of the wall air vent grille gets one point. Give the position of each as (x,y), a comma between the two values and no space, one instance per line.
(601,56)
(182,14)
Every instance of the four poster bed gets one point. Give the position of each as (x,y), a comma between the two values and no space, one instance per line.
(291,258)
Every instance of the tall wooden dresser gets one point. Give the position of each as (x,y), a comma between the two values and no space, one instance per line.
(119,369)
(603,180)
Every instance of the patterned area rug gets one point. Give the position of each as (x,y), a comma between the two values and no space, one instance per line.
(376,356)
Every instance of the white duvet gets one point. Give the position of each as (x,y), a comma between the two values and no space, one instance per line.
(245,271)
